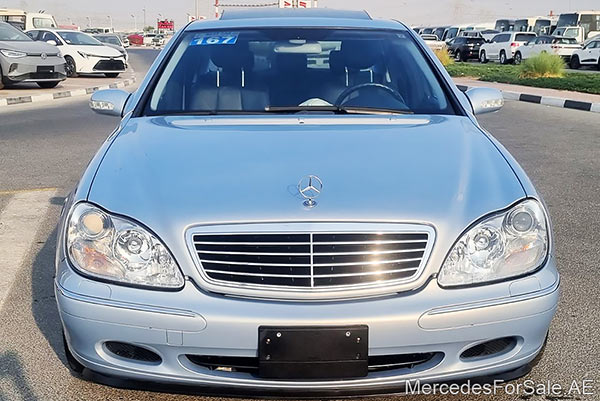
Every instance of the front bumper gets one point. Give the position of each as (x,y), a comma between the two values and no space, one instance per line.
(193,322)
(35,69)
(101,65)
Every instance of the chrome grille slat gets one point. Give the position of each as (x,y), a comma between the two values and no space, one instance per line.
(311,260)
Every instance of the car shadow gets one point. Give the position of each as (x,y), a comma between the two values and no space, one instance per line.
(11,370)
(43,301)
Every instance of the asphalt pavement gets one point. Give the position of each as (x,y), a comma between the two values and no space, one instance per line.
(43,152)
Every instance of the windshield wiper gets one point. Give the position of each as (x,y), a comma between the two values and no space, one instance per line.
(335,110)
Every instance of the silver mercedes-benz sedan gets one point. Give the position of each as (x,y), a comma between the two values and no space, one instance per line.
(302,202)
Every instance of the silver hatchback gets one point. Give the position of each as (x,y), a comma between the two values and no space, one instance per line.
(23,60)
(302,202)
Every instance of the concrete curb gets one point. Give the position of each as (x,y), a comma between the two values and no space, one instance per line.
(44,97)
(545,100)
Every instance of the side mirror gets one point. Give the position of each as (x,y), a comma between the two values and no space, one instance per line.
(52,42)
(485,100)
(109,101)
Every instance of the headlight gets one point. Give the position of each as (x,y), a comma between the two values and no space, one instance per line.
(501,246)
(117,249)
(82,54)
(13,54)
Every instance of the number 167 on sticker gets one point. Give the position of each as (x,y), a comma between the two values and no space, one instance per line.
(220,38)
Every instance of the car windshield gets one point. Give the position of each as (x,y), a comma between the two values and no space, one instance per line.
(79,39)
(113,40)
(10,33)
(297,70)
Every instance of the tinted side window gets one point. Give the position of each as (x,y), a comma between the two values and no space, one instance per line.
(504,38)
(33,34)
(523,37)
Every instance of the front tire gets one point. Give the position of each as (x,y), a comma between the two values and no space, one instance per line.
(111,74)
(575,64)
(73,363)
(503,59)
(458,57)
(47,85)
(518,58)
(1,79)
(71,67)
(482,57)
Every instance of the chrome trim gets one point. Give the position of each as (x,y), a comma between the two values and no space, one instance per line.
(310,293)
(123,305)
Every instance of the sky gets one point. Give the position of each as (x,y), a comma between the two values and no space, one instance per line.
(411,12)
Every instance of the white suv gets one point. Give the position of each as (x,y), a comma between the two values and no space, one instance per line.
(589,55)
(504,46)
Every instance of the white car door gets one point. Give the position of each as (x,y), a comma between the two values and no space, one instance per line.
(591,53)
(528,49)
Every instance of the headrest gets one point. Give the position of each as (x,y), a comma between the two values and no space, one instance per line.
(291,62)
(336,62)
(232,57)
(361,54)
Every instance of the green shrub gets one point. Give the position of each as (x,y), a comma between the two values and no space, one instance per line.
(444,57)
(544,65)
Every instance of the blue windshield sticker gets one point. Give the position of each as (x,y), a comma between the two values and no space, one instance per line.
(215,38)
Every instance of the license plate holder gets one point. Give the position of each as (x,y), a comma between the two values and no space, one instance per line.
(313,352)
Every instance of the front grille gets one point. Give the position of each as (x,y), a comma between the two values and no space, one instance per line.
(109,65)
(380,363)
(311,260)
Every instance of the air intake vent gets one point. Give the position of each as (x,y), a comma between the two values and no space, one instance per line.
(130,351)
(490,348)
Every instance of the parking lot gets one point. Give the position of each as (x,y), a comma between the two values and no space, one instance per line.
(44,149)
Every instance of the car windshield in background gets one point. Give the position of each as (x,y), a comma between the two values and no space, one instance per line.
(79,39)
(564,41)
(9,33)
(113,40)
(298,70)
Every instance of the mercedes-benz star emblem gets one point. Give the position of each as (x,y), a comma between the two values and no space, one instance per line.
(310,187)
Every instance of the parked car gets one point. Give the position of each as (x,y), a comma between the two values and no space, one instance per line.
(225,235)
(23,60)
(487,34)
(114,41)
(433,42)
(465,48)
(558,45)
(148,38)
(158,40)
(504,46)
(83,53)
(588,56)
(25,20)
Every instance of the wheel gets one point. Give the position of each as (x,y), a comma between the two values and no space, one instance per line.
(111,74)
(518,58)
(47,85)
(598,66)
(458,56)
(503,59)
(70,67)
(74,365)
(482,57)
(575,64)
(1,79)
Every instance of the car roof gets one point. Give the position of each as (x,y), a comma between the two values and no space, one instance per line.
(275,17)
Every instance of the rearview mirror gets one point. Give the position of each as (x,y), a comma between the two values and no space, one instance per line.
(485,100)
(109,101)
(52,42)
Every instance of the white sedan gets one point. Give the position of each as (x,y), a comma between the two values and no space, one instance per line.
(83,53)
(588,56)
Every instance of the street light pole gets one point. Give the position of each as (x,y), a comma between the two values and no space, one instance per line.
(196,5)
(111,23)
(144,11)
(134,22)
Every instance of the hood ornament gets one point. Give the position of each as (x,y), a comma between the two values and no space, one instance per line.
(310,188)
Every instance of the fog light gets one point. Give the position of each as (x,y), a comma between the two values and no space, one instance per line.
(13,68)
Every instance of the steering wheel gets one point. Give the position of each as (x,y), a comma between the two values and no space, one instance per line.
(390,91)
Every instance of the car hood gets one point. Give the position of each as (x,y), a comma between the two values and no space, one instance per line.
(103,51)
(29,47)
(173,172)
